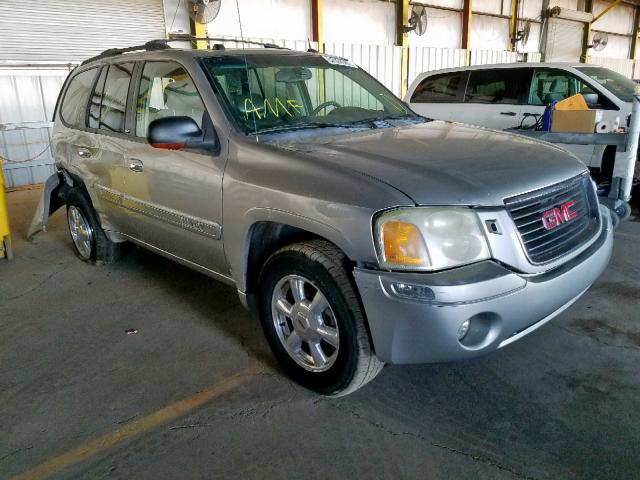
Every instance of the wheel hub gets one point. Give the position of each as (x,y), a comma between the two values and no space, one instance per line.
(305,323)
(81,232)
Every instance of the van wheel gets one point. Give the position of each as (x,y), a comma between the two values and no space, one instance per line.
(313,320)
(89,240)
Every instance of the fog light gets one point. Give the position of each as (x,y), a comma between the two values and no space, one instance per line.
(464,328)
(412,292)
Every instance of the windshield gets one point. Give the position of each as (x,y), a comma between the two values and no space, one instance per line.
(619,85)
(282,92)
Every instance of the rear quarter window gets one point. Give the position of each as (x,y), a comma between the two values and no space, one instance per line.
(74,105)
(442,88)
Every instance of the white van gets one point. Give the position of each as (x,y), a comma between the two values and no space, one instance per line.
(509,95)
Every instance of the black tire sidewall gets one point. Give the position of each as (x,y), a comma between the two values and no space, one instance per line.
(79,200)
(339,375)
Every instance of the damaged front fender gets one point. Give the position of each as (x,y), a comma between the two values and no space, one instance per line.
(52,198)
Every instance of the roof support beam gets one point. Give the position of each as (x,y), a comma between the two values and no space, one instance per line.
(515,6)
(605,11)
(402,39)
(317,27)
(466,28)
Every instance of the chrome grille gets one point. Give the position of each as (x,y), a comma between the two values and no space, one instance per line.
(544,245)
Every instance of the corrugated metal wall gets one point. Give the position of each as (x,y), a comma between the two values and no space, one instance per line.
(424,59)
(27,101)
(381,61)
(620,65)
(72,30)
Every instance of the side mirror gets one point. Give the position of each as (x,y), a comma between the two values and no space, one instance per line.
(591,98)
(178,133)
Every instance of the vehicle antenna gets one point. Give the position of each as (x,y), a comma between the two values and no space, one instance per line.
(246,66)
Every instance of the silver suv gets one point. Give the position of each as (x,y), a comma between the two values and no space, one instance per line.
(362,233)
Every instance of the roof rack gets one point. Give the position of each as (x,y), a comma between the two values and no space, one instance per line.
(163,44)
(149,46)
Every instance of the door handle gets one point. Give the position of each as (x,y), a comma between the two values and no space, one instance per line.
(84,152)
(508,114)
(135,165)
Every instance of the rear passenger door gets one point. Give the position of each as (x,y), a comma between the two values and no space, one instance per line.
(174,197)
(440,96)
(108,118)
(494,97)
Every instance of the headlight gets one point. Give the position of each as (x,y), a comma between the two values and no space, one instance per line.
(429,238)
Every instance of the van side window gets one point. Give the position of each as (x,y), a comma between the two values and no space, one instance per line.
(166,90)
(438,88)
(550,85)
(502,85)
(74,105)
(113,107)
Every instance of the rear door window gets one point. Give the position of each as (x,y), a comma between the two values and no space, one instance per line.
(499,86)
(113,107)
(444,88)
(166,90)
(74,105)
(96,100)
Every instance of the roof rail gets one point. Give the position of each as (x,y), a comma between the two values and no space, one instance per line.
(163,44)
(149,46)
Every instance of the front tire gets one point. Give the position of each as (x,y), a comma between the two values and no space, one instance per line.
(313,320)
(89,240)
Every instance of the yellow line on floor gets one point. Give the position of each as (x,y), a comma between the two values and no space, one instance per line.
(136,427)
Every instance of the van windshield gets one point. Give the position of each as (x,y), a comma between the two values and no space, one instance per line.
(273,92)
(621,86)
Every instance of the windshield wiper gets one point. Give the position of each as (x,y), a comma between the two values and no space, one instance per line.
(303,125)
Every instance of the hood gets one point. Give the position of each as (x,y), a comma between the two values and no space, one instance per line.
(441,163)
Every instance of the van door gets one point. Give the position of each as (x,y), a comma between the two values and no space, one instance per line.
(494,97)
(440,96)
(550,85)
(174,197)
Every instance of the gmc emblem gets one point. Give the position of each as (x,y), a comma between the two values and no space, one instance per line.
(559,215)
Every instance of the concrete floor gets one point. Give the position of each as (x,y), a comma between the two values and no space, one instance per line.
(79,398)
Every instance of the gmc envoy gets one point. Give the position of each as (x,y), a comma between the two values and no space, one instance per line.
(361,233)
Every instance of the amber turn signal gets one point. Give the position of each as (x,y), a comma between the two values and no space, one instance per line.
(403,244)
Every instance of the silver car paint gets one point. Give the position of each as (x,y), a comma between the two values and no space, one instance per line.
(331,186)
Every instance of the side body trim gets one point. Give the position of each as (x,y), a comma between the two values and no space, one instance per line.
(198,225)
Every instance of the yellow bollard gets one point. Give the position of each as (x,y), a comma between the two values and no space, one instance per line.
(5,232)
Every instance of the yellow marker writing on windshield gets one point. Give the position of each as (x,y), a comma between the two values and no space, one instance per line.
(277,107)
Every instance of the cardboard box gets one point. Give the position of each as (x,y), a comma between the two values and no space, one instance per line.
(573,121)
(576,102)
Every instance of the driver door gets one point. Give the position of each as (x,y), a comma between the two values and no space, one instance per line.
(174,197)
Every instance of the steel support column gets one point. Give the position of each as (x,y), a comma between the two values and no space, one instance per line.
(466,28)
(586,36)
(634,40)
(402,39)
(515,6)
(198,30)
(317,27)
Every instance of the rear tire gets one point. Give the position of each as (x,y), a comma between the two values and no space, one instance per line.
(90,243)
(313,320)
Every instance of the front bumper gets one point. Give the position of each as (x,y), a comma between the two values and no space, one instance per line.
(502,305)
